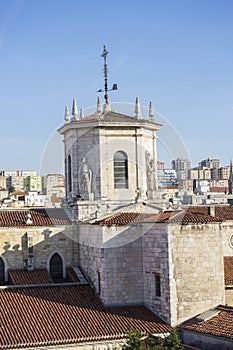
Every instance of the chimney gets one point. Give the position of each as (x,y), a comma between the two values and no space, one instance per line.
(211,210)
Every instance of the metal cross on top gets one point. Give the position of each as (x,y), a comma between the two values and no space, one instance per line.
(114,87)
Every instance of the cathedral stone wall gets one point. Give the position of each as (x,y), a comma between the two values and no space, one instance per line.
(96,146)
(83,144)
(123,268)
(138,144)
(112,258)
(91,253)
(112,141)
(156,262)
(227,232)
(45,241)
(125,263)
(196,269)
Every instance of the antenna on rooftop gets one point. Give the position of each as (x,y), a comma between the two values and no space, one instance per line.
(105,70)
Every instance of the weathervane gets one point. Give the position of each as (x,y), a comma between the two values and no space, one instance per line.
(114,87)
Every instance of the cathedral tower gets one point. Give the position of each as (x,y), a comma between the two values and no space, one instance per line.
(110,157)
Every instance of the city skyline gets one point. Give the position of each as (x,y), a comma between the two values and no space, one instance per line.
(177,54)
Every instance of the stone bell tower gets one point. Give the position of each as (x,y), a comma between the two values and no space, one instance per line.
(110,158)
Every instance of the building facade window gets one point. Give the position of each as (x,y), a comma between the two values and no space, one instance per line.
(120,163)
(69,174)
(56,267)
(2,271)
(157,285)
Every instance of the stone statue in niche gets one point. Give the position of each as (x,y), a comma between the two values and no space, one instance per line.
(150,175)
(85,180)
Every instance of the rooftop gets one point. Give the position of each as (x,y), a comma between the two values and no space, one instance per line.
(54,315)
(58,216)
(198,215)
(112,118)
(220,325)
(27,277)
(39,217)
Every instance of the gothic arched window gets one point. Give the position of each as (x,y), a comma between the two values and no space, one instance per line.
(120,163)
(2,271)
(56,267)
(69,174)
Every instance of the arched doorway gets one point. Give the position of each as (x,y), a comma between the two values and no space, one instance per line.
(56,267)
(2,272)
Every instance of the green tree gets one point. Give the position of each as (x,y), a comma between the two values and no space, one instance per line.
(138,341)
(173,342)
(134,341)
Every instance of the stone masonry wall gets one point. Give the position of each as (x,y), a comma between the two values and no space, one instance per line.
(45,241)
(156,261)
(196,269)
(112,258)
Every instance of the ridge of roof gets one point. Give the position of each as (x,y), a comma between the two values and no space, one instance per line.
(112,116)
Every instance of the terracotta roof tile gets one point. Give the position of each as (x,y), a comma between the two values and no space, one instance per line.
(27,277)
(56,315)
(71,275)
(220,325)
(56,199)
(219,189)
(222,212)
(125,218)
(185,216)
(39,217)
(192,216)
(228,270)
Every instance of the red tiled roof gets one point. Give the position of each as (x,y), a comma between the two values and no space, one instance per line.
(222,212)
(71,275)
(175,187)
(219,189)
(27,277)
(66,315)
(39,217)
(18,193)
(228,270)
(220,325)
(125,218)
(186,216)
(193,216)
(56,199)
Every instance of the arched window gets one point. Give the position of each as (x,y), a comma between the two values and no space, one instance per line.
(120,163)
(56,267)
(2,271)
(69,174)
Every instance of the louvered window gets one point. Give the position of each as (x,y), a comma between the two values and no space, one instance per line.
(120,163)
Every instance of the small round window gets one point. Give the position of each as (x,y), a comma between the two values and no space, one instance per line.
(231,241)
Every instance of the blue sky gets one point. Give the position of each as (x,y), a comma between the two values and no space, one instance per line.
(177,53)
